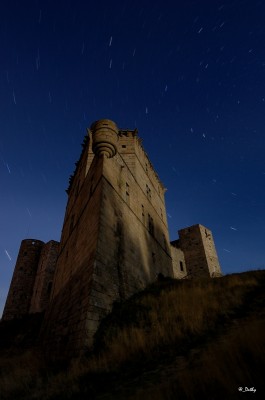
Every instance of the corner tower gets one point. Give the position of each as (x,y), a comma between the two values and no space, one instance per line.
(198,247)
(21,288)
(114,238)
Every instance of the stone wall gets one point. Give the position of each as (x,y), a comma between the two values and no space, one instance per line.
(138,250)
(63,331)
(44,277)
(178,260)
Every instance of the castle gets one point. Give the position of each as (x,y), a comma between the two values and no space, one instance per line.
(114,242)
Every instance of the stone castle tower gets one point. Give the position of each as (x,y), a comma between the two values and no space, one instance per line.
(114,240)
(194,253)
(31,283)
(199,251)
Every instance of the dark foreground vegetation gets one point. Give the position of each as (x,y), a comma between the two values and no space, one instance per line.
(175,340)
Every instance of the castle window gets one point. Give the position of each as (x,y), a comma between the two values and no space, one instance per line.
(146,167)
(143,214)
(151,225)
(165,242)
(127,192)
(148,192)
(153,258)
(181,266)
(206,233)
(123,146)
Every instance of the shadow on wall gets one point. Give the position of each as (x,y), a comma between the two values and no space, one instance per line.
(133,251)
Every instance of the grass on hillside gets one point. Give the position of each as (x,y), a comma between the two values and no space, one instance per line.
(193,338)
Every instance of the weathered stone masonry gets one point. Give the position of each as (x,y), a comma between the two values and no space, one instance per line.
(114,242)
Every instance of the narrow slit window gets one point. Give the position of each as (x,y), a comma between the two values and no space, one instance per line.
(151,225)
(148,192)
(181,266)
(127,192)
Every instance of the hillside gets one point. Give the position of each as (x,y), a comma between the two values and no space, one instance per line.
(178,339)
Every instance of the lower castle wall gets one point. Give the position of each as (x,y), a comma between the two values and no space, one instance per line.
(178,262)
(63,329)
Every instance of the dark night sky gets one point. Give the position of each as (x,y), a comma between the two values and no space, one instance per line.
(190,75)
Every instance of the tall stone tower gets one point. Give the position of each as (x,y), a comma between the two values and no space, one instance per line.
(198,247)
(32,279)
(21,288)
(114,239)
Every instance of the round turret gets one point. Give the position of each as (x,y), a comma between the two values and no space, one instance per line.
(20,291)
(105,138)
